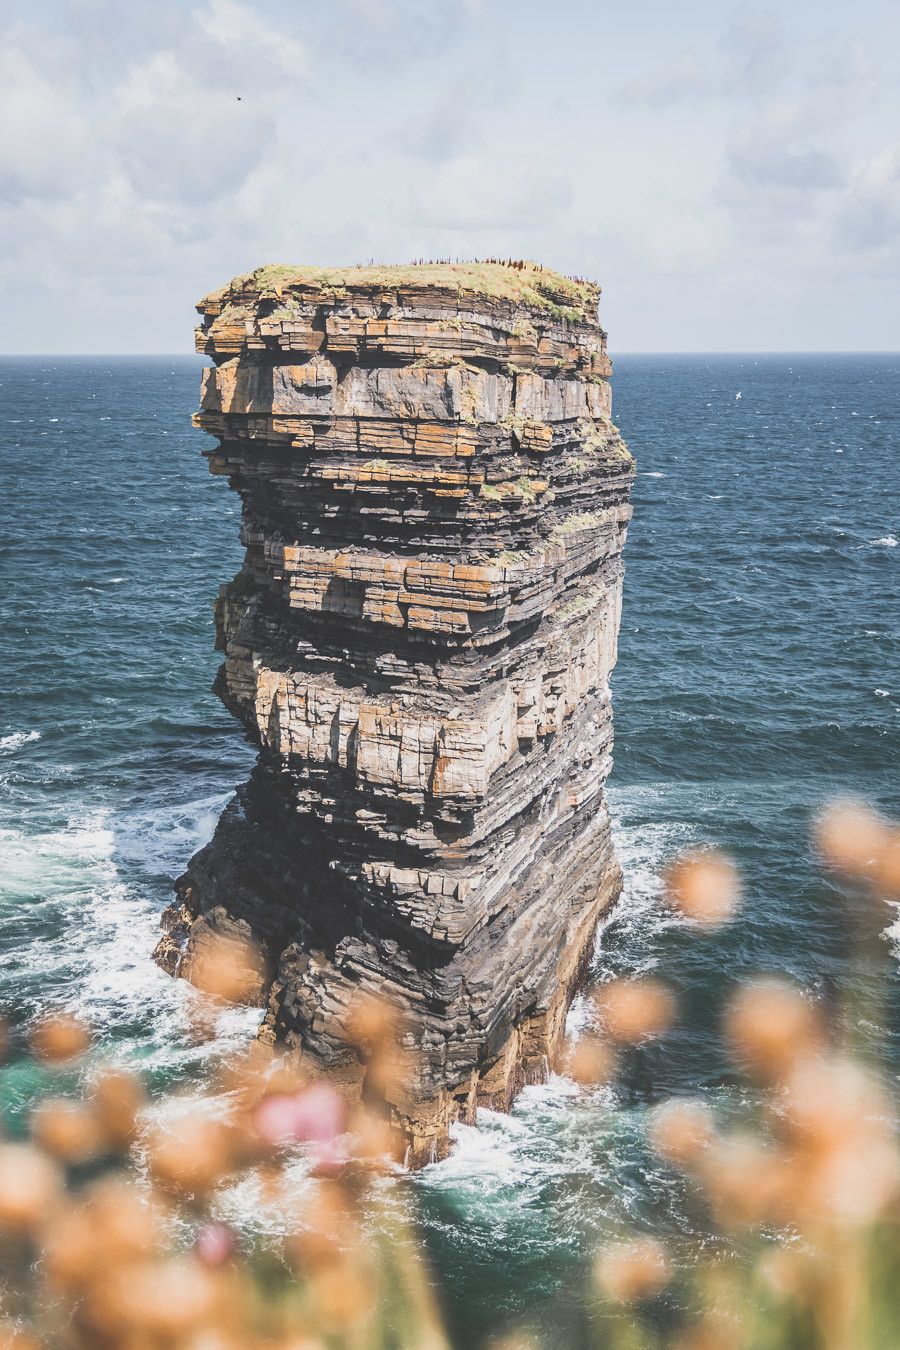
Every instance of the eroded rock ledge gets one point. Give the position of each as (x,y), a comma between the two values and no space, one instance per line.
(420,638)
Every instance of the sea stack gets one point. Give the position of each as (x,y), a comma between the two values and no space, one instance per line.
(419,641)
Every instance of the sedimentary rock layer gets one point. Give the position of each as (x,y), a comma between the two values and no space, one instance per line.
(420,640)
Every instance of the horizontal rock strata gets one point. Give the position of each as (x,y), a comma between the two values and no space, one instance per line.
(420,640)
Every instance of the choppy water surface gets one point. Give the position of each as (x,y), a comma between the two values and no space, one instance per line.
(757,673)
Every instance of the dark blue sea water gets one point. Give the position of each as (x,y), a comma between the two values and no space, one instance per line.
(758,673)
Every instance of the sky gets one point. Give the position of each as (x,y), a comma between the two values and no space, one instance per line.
(729,175)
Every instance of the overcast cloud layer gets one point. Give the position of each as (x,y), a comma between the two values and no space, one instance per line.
(731,177)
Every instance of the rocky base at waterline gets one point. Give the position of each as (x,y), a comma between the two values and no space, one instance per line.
(419,640)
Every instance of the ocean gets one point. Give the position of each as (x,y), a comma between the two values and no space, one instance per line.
(758,674)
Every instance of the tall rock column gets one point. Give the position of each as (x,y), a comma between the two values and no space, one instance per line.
(419,640)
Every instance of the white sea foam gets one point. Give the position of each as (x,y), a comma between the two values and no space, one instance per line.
(252,1204)
(892,932)
(646,473)
(94,955)
(94,936)
(483,1153)
(641,913)
(162,838)
(17,739)
(886,541)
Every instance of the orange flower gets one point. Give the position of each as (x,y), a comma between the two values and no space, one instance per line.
(591,1062)
(704,886)
(828,1101)
(59,1038)
(163,1299)
(30,1185)
(117,1097)
(886,878)
(851,837)
(373,1023)
(114,1226)
(67,1130)
(748,1183)
(680,1130)
(193,1157)
(631,1271)
(230,967)
(635,1010)
(769,1026)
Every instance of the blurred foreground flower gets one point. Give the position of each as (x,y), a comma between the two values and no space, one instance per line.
(681,1130)
(59,1038)
(862,845)
(30,1185)
(704,886)
(770,1026)
(111,1220)
(635,1010)
(634,1270)
(591,1061)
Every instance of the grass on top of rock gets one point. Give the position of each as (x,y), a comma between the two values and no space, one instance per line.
(519,281)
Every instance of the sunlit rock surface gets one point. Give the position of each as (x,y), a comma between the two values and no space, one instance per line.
(420,640)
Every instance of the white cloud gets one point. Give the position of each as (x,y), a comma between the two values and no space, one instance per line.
(676,80)
(473,191)
(159,148)
(869,215)
(257,49)
(682,245)
(761,158)
(753,47)
(180,140)
(44,152)
(124,155)
(750,59)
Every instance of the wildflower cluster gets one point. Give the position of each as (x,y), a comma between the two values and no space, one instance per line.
(807,1192)
(112,1235)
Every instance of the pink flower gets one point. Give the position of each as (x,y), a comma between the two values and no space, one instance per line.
(214,1244)
(319,1114)
(274,1119)
(314,1115)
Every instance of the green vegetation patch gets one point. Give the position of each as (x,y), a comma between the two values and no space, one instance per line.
(521,282)
(581,520)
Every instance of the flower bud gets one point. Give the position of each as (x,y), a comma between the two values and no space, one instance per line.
(704,886)
(632,1271)
(635,1010)
(30,1185)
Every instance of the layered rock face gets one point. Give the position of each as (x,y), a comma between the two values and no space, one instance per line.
(420,640)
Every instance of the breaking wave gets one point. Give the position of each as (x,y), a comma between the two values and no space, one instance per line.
(15,741)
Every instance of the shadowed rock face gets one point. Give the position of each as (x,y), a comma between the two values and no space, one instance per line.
(420,639)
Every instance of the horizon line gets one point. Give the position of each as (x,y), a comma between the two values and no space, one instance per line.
(623,351)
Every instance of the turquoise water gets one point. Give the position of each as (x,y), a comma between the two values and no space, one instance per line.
(757,673)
